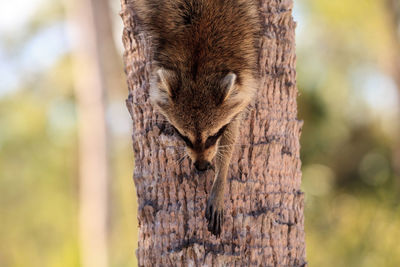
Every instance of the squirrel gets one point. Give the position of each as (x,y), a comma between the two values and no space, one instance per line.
(204,74)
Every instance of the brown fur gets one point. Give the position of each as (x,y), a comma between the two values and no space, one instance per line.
(204,75)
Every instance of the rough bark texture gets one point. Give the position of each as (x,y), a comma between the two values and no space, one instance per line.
(264,205)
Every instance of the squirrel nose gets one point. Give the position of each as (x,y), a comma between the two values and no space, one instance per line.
(202,165)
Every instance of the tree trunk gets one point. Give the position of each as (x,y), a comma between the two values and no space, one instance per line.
(92,43)
(393,12)
(264,205)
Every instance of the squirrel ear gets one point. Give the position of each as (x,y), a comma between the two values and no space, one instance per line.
(228,86)
(162,85)
(165,80)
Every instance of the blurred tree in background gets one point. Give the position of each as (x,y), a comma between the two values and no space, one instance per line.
(39,200)
(348,74)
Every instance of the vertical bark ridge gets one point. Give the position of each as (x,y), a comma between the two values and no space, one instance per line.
(264,224)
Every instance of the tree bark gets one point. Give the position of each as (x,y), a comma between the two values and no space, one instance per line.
(264,224)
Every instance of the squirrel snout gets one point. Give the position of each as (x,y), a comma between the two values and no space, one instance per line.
(202,165)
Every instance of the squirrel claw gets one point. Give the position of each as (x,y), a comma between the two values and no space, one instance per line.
(215,218)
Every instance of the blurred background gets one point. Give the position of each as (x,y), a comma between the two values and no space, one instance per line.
(61,72)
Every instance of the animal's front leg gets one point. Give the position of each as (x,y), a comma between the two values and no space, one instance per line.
(215,204)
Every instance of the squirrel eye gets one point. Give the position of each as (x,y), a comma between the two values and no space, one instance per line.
(184,138)
(213,139)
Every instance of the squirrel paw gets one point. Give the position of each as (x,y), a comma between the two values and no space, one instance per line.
(215,217)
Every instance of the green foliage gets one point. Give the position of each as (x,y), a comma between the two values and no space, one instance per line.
(38,203)
(349,137)
(353,230)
